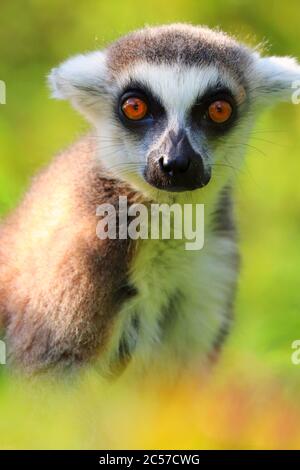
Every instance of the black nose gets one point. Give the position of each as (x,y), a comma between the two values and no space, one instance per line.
(180,164)
(175,166)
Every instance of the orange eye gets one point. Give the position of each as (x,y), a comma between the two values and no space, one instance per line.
(220,111)
(134,108)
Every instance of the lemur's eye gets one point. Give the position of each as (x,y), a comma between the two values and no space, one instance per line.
(220,111)
(135,108)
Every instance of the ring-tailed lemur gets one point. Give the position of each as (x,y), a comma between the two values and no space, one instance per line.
(172,107)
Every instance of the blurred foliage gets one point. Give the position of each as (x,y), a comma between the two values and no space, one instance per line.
(252,402)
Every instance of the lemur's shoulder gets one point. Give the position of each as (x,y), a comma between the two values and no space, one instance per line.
(59,290)
(68,189)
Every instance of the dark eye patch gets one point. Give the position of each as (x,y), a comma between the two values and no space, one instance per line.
(154,106)
(199,113)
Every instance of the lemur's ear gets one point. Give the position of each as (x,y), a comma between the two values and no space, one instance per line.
(276,78)
(81,80)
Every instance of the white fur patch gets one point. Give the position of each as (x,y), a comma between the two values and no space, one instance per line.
(200,284)
(81,80)
(181,305)
(271,78)
(79,72)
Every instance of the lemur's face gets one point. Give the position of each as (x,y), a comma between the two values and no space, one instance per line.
(171,119)
(173,106)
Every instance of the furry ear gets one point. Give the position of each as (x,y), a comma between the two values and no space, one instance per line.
(276,78)
(81,79)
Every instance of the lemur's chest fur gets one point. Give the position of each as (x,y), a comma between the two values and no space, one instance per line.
(181,307)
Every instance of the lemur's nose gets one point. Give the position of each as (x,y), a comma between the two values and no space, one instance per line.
(179,164)
(176,166)
(177,159)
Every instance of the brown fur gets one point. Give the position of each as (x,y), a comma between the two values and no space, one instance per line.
(59,292)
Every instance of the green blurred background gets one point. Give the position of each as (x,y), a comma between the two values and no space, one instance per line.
(35,36)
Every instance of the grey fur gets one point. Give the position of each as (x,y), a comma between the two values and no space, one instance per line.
(189,45)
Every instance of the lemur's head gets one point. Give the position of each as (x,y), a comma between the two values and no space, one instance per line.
(172,104)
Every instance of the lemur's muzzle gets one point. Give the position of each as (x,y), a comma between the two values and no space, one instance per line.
(176,166)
